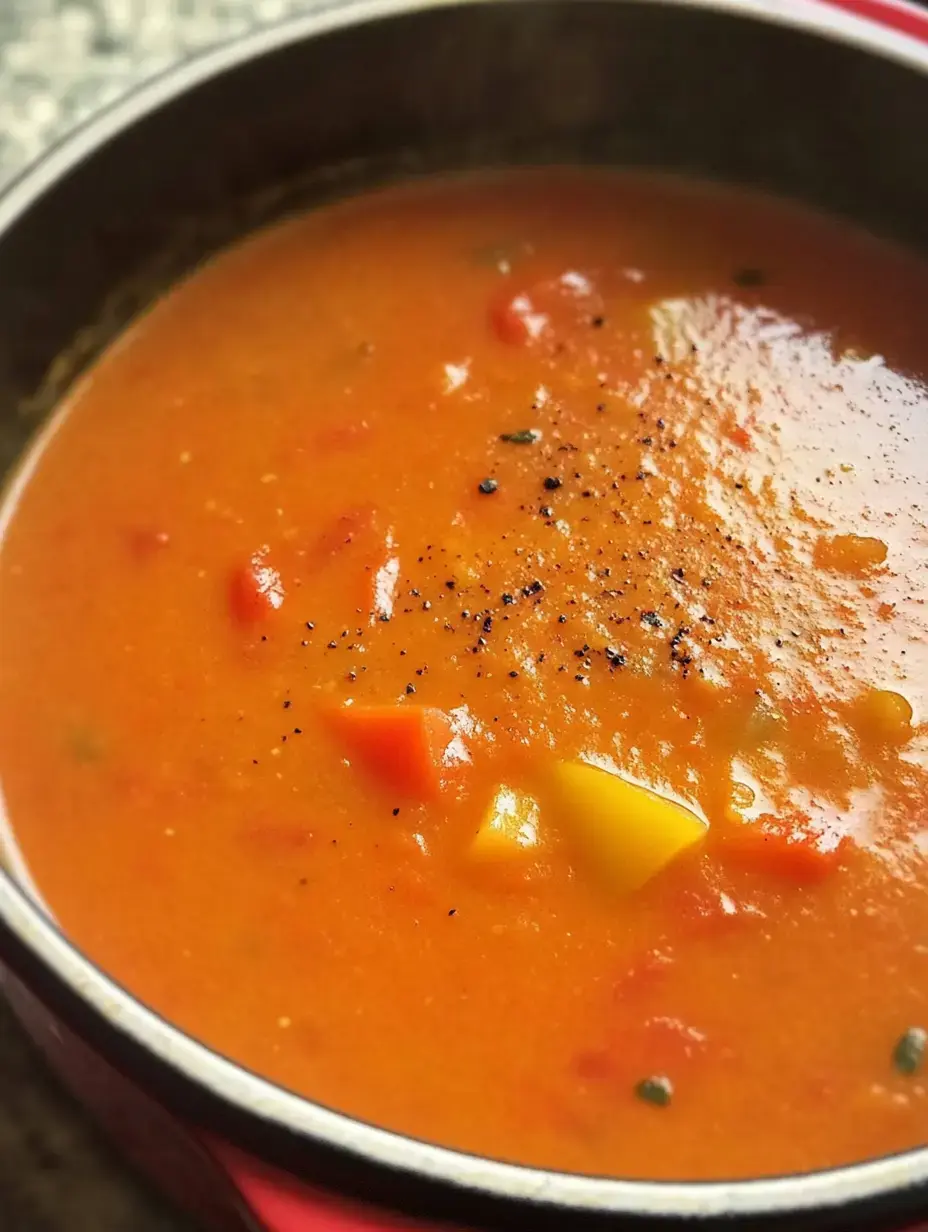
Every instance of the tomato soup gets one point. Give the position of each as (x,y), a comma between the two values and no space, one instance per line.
(464,654)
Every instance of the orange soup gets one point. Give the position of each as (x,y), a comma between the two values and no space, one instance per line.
(464,657)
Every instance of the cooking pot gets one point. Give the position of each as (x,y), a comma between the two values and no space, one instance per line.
(824,101)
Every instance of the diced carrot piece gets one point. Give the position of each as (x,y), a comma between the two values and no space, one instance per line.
(255,590)
(410,749)
(788,846)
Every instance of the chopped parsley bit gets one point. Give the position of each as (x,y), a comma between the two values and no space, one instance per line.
(552,483)
(487,486)
(396,811)
(513,675)
(410,688)
(652,619)
(287,704)
(332,645)
(507,599)
(657,1090)
(546,511)
(909,1052)
(748,277)
(524,436)
(598,322)
(562,620)
(310,626)
(533,588)
(453,911)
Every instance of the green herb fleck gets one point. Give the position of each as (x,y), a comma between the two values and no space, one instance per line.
(524,436)
(656,1090)
(748,277)
(909,1052)
(487,486)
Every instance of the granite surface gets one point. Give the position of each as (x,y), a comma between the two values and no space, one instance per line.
(60,60)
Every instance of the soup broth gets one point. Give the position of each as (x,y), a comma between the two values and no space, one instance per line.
(463,656)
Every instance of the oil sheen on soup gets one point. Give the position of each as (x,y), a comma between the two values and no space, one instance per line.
(463,655)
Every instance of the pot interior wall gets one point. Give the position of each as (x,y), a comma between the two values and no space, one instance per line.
(538,81)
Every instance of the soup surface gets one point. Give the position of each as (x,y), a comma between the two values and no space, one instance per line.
(462,656)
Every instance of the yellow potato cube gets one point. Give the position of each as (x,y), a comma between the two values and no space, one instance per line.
(510,827)
(622,832)
(882,717)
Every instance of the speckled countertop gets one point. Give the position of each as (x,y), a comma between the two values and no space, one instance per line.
(59,61)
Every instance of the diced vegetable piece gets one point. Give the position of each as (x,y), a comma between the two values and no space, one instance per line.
(410,749)
(348,529)
(909,1052)
(882,717)
(788,845)
(545,309)
(145,542)
(509,830)
(255,590)
(854,555)
(624,832)
(515,320)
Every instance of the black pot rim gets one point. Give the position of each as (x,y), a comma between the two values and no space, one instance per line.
(126,1030)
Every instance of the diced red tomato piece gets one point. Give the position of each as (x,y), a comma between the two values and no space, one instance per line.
(515,320)
(644,976)
(273,838)
(145,542)
(341,436)
(788,845)
(546,308)
(255,590)
(347,529)
(697,900)
(661,1044)
(409,749)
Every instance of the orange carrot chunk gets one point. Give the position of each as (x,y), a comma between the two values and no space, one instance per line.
(788,845)
(409,749)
